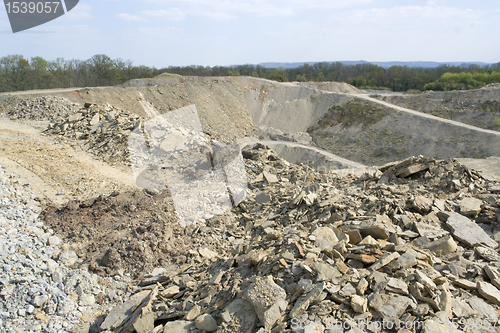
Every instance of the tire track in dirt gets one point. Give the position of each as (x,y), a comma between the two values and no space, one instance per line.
(53,168)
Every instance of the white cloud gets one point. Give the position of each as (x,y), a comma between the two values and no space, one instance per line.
(224,9)
(219,16)
(409,17)
(172,14)
(82,11)
(130,17)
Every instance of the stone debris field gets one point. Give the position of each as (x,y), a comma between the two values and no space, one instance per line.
(409,246)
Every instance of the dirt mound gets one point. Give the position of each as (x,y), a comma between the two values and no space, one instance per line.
(337,87)
(133,231)
(164,78)
(288,107)
(229,107)
(356,112)
(219,101)
(138,231)
(474,107)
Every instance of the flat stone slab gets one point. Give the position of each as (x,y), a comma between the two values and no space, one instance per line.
(268,300)
(390,307)
(470,206)
(469,232)
(179,326)
(489,292)
(442,246)
(483,308)
(384,260)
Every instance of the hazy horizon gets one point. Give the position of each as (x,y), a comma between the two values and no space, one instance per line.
(164,33)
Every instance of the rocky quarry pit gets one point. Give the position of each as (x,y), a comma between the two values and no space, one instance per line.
(363,230)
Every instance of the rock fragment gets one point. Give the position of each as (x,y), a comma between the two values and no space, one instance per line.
(268,300)
(325,238)
(389,307)
(206,322)
(470,206)
(489,292)
(303,303)
(178,326)
(359,304)
(442,246)
(68,257)
(206,253)
(384,260)
(469,232)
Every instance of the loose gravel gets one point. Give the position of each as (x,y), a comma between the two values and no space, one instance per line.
(39,290)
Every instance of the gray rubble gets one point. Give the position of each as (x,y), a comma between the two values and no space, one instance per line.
(39,292)
(359,248)
(101,130)
(43,108)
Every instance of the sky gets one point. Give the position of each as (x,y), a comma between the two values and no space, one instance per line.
(164,33)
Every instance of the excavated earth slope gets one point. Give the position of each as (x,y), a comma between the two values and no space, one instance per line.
(228,107)
(368,132)
(474,107)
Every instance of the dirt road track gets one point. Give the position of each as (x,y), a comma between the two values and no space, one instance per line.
(425,115)
(56,172)
(39,92)
(489,168)
(328,156)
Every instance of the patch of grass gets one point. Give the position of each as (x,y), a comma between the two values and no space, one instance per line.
(412,92)
(403,153)
(496,121)
(442,113)
(379,153)
(355,112)
(488,106)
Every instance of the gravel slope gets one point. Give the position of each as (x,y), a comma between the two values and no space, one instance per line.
(40,292)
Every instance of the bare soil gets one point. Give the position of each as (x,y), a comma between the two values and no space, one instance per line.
(361,135)
(477,107)
(134,231)
(57,172)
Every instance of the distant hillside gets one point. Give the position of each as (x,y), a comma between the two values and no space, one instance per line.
(387,64)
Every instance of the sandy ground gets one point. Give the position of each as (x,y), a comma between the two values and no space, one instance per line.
(55,171)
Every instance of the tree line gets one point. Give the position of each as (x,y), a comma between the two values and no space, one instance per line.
(18,73)
(463,80)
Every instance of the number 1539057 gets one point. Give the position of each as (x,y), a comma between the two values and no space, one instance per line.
(16,7)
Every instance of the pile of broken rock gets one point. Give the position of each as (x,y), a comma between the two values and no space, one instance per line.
(48,108)
(101,130)
(413,242)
